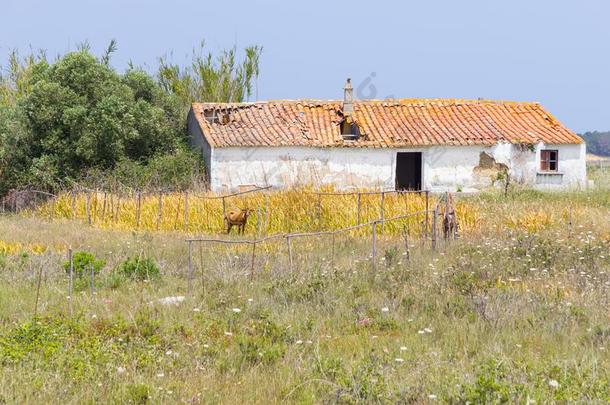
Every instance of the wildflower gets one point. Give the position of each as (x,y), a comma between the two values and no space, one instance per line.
(385,309)
(364,322)
(427,330)
(196,310)
(169,352)
(206,345)
(403,348)
(121,370)
(160,375)
(398,360)
(553,384)
(236,310)
(228,334)
(432,396)
(299,342)
(421,332)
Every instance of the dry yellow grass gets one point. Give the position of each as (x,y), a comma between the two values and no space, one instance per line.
(274,212)
(299,210)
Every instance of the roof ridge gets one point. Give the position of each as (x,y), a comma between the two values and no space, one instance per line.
(402,101)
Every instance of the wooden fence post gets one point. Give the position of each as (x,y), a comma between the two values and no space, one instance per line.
(289,245)
(252,260)
(382,211)
(358,208)
(434,229)
(266,213)
(427,212)
(405,233)
(159,212)
(104,206)
(332,251)
(118,208)
(73,204)
(224,207)
(88,206)
(186,210)
(374,250)
(38,291)
(258,222)
(138,209)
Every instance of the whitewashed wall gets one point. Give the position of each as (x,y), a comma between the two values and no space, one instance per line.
(444,167)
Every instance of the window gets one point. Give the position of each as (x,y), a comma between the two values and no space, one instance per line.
(549,160)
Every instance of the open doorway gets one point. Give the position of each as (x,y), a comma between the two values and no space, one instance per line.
(408,171)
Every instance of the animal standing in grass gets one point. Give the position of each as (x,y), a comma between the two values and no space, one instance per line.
(237,217)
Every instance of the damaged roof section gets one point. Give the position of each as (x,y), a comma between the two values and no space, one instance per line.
(388,123)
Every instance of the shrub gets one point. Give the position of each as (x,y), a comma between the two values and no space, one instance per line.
(139,268)
(83,261)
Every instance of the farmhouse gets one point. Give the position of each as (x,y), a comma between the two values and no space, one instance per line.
(434,144)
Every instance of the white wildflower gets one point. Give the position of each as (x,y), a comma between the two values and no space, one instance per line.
(236,310)
(553,384)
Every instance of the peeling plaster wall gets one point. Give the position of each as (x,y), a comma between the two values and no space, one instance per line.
(444,167)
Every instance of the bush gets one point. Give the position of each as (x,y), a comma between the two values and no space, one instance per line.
(82,263)
(139,268)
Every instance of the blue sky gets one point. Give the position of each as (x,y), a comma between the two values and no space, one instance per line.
(556,52)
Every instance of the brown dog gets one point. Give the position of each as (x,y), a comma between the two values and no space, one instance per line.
(237,217)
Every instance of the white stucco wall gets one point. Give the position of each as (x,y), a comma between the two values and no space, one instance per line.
(443,167)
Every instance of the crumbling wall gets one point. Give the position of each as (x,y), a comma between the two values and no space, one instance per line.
(487,170)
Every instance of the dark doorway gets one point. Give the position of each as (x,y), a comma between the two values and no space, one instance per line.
(408,171)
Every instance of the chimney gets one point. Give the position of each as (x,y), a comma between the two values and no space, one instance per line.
(348,98)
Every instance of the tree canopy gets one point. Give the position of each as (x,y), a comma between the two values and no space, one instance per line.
(62,121)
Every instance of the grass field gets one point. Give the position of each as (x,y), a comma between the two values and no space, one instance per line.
(515,310)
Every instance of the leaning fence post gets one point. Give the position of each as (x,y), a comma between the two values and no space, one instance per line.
(374,251)
(190,275)
(289,245)
(70,279)
(434,229)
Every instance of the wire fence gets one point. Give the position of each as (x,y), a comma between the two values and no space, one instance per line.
(272,211)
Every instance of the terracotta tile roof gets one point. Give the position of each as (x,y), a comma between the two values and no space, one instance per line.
(388,123)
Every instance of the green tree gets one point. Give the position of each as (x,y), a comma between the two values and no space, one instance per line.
(213,79)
